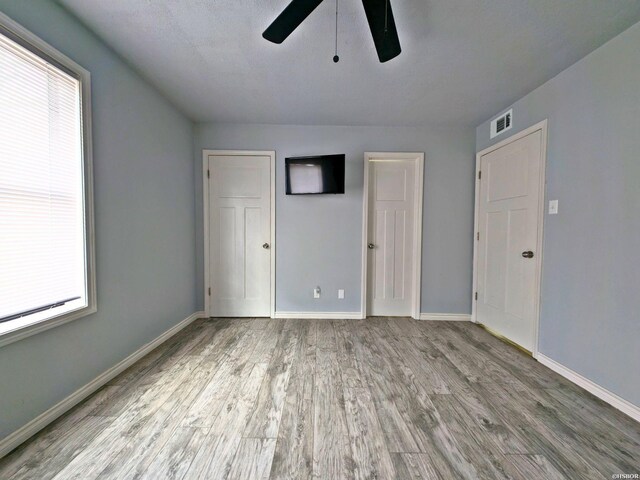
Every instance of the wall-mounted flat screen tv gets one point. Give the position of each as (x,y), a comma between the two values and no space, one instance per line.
(313,175)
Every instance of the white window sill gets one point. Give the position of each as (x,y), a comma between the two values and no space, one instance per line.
(24,327)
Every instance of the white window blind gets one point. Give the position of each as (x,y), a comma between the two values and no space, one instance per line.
(42,226)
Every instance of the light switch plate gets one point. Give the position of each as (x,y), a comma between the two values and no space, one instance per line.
(553,207)
(316,292)
(341,293)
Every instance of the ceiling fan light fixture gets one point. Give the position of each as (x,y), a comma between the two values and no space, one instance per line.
(379,16)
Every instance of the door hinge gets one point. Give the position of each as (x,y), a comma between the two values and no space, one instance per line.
(479,174)
(209,291)
(478,236)
(208,174)
(476,296)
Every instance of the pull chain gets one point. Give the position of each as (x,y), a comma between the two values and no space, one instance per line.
(336,58)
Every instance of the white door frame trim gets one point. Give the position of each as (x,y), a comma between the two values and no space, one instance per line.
(205,204)
(542,127)
(418,158)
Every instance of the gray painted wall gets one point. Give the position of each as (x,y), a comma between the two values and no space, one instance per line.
(319,237)
(143,161)
(590,320)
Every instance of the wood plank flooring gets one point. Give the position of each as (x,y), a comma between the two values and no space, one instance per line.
(380,398)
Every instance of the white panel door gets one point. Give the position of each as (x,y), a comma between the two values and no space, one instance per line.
(508,239)
(390,237)
(240,222)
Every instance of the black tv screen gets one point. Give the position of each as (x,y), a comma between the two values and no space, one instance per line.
(312,175)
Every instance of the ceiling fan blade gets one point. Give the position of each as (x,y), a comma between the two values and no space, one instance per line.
(290,18)
(387,42)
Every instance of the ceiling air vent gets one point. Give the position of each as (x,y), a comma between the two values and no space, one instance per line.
(502,123)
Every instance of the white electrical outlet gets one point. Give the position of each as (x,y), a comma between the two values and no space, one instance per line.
(341,293)
(553,207)
(316,292)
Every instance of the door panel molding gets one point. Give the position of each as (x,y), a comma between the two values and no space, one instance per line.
(206,227)
(416,277)
(542,128)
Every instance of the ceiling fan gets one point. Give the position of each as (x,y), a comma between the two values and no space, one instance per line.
(379,16)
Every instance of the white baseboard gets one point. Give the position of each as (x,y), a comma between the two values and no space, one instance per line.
(448,317)
(602,393)
(34,426)
(320,315)
(451,317)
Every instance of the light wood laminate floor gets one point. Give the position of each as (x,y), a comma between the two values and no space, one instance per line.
(298,399)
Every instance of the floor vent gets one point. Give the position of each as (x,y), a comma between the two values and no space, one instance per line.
(502,123)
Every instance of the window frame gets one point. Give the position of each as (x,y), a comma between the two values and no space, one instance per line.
(39,47)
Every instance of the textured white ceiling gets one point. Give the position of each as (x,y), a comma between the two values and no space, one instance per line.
(462,60)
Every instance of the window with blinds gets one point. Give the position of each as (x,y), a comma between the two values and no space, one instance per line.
(43,235)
